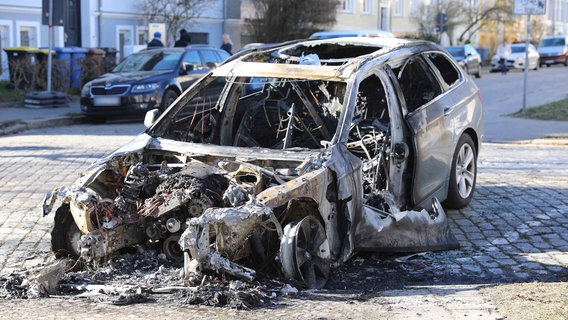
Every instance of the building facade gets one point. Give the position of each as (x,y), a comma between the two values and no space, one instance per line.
(120,25)
(105,24)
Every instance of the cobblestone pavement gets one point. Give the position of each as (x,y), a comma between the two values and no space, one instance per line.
(515,230)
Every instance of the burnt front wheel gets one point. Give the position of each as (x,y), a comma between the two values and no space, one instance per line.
(304,252)
(463,174)
(65,235)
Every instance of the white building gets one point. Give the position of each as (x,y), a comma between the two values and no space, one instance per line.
(104,24)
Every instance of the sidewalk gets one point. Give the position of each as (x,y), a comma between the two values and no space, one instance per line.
(15,118)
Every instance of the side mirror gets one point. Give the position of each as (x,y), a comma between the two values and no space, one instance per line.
(151,117)
(211,65)
(188,67)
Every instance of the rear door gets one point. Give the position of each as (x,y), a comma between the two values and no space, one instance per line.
(194,68)
(425,104)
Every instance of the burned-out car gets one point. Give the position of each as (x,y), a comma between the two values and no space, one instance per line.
(290,159)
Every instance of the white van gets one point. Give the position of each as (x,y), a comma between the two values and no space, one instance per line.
(353,33)
(553,49)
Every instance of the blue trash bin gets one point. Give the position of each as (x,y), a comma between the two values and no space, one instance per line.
(61,67)
(77,57)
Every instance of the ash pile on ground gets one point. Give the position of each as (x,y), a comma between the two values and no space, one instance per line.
(140,277)
(146,276)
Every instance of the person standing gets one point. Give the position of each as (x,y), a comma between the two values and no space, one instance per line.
(156,42)
(503,52)
(227,43)
(184,39)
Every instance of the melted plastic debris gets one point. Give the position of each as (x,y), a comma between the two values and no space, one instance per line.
(139,277)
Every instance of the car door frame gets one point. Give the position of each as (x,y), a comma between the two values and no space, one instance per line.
(431,140)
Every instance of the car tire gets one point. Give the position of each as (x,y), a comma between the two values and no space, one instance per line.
(169,97)
(463,174)
(478,74)
(65,234)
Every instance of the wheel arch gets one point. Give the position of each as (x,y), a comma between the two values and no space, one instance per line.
(473,135)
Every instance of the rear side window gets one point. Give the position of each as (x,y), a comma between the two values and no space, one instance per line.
(224,55)
(418,84)
(447,70)
(192,57)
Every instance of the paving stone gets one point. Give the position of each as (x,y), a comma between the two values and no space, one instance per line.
(515,229)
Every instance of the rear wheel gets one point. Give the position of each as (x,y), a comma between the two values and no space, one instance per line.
(463,174)
(478,74)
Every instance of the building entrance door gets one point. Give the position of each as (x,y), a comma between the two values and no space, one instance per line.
(72,26)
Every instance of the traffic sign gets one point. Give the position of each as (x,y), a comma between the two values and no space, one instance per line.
(532,7)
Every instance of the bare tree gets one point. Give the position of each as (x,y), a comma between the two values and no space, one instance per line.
(473,18)
(426,17)
(479,19)
(174,13)
(277,20)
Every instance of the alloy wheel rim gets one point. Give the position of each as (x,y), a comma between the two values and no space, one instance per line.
(465,170)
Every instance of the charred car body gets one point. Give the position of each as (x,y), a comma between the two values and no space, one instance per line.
(292,158)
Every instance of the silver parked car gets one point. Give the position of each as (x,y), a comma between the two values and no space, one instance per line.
(517,58)
(293,157)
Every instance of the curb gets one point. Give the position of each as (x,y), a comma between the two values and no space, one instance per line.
(17,126)
(548,140)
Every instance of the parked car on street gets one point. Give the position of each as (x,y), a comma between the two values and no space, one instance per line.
(517,58)
(151,78)
(468,58)
(553,49)
(290,158)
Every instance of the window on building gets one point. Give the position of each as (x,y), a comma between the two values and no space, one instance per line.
(398,7)
(384,22)
(347,5)
(125,35)
(28,36)
(414,8)
(142,38)
(4,43)
(367,6)
(199,38)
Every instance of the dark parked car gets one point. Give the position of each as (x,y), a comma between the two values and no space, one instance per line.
(468,58)
(291,158)
(151,78)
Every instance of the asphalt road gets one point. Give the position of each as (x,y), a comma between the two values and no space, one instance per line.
(515,230)
(503,95)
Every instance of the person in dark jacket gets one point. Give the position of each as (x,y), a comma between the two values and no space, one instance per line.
(227,43)
(184,39)
(156,42)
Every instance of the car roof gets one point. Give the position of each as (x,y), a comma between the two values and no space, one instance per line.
(556,36)
(351,33)
(334,59)
(189,47)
